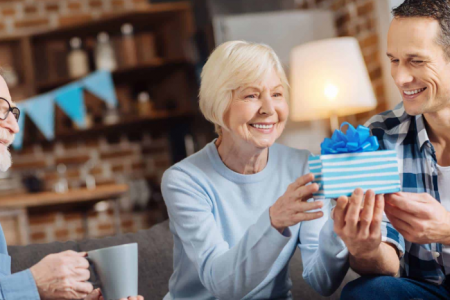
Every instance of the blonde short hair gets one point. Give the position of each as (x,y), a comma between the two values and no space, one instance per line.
(233,65)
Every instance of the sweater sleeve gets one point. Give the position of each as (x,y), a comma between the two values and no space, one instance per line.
(226,272)
(324,254)
(15,286)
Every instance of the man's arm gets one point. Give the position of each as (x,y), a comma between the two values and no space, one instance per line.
(19,285)
(383,261)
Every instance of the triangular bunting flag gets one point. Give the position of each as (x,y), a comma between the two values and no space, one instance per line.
(18,139)
(101,85)
(41,110)
(70,99)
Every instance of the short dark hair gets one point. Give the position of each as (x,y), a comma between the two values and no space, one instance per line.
(435,9)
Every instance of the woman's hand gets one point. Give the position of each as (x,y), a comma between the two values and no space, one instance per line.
(291,208)
(97,295)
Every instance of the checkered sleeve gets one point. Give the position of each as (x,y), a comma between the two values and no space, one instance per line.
(391,236)
(381,124)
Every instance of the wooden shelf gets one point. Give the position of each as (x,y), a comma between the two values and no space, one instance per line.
(154,65)
(147,16)
(130,122)
(164,120)
(167,29)
(71,196)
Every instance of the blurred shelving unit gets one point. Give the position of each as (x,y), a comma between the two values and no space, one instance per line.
(165,70)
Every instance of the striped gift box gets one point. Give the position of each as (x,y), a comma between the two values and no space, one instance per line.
(341,174)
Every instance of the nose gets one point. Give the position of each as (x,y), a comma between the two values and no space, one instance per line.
(402,76)
(10,124)
(267,105)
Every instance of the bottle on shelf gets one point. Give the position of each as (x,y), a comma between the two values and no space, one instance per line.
(128,46)
(77,60)
(10,75)
(146,47)
(111,115)
(105,58)
(61,186)
(89,118)
(145,105)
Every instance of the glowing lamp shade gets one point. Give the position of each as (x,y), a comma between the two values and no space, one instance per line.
(329,79)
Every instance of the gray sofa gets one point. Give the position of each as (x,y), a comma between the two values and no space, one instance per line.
(155,260)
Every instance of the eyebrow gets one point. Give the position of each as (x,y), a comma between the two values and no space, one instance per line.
(412,55)
(251,87)
(258,89)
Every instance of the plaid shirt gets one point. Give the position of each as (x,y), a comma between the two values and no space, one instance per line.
(395,129)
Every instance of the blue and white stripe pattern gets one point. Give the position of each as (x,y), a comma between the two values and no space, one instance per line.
(340,174)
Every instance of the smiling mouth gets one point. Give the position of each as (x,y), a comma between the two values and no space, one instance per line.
(4,143)
(414,92)
(262,126)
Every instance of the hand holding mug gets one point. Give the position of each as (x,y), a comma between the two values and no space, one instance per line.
(62,276)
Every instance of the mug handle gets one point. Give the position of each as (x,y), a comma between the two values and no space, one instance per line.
(94,280)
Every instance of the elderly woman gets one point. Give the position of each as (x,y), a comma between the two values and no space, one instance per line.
(239,207)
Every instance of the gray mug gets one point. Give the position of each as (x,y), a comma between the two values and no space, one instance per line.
(117,269)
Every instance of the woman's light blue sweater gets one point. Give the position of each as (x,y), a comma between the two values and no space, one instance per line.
(224,244)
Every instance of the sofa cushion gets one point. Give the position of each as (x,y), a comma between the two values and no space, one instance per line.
(23,257)
(155,260)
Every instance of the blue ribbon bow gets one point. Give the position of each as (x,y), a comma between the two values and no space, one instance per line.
(354,140)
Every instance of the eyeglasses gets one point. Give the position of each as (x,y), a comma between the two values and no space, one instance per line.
(5,108)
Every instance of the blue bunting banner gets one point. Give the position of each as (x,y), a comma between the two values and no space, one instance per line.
(101,85)
(70,98)
(41,111)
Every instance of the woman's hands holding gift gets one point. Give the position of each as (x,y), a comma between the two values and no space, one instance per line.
(291,208)
(360,229)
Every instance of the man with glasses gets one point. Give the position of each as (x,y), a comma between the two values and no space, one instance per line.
(56,276)
(9,128)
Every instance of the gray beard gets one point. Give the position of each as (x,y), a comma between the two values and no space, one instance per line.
(5,161)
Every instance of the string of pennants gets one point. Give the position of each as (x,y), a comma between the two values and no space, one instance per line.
(70,98)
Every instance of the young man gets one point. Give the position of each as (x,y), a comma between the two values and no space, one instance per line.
(419,129)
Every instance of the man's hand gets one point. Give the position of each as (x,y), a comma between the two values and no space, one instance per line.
(62,276)
(419,218)
(359,229)
(97,295)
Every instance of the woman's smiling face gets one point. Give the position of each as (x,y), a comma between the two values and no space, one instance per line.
(257,113)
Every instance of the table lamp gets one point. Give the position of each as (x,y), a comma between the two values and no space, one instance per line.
(329,79)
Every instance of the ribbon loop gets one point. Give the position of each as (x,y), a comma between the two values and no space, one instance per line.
(353,141)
